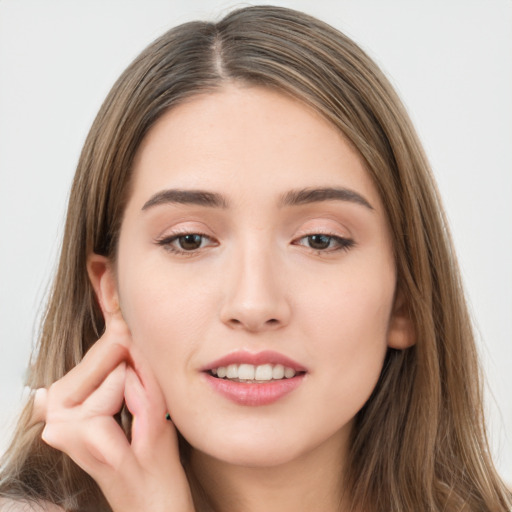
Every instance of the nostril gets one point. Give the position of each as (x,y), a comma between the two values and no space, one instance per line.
(254,326)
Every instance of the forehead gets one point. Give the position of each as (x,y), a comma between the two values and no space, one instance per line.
(246,141)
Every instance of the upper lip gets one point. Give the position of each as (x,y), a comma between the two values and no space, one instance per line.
(256,358)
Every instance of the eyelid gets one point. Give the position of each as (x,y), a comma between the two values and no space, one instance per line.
(321,228)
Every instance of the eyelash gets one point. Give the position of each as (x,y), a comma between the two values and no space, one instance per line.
(342,244)
(167,241)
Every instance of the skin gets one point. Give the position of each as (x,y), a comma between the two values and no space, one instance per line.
(256,282)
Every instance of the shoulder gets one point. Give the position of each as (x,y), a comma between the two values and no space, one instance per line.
(7,505)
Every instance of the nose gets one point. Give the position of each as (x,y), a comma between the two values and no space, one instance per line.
(255,297)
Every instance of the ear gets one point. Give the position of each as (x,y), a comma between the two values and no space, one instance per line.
(101,275)
(401,332)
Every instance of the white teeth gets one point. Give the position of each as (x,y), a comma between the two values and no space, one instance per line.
(249,372)
(232,371)
(246,372)
(263,372)
(289,373)
(278,371)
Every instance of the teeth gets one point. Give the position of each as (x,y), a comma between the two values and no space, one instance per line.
(289,373)
(249,372)
(232,371)
(263,372)
(278,371)
(246,372)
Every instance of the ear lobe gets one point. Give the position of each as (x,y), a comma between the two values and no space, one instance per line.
(102,278)
(401,332)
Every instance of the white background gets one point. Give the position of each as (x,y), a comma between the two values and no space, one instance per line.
(451,61)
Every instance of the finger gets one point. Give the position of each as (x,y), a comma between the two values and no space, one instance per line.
(135,402)
(148,399)
(110,350)
(148,416)
(88,433)
(147,379)
(107,399)
(154,439)
(98,446)
(39,406)
(155,444)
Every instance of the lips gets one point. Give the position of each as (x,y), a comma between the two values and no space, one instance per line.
(254,379)
(255,359)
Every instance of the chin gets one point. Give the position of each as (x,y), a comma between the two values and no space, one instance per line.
(252,449)
(252,455)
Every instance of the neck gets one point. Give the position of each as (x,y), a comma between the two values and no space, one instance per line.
(312,481)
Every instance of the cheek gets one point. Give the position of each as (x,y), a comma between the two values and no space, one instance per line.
(166,314)
(346,330)
(352,308)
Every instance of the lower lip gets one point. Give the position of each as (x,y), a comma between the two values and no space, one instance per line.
(254,394)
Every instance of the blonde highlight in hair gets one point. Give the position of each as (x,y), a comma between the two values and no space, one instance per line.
(419,442)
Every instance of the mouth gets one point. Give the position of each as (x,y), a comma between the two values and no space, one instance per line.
(254,379)
(253,374)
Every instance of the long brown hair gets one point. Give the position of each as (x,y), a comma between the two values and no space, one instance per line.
(419,442)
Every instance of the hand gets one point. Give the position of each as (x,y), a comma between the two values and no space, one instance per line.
(79,410)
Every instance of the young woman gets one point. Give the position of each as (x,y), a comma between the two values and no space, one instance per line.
(257,305)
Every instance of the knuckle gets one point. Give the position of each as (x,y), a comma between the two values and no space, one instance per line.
(54,436)
(91,446)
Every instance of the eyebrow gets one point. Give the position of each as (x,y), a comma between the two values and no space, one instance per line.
(291,198)
(195,197)
(316,195)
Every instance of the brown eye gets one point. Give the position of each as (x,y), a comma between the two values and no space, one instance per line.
(319,242)
(190,242)
(325,243)
(186,244)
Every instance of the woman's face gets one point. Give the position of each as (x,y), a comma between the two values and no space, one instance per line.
(254,236)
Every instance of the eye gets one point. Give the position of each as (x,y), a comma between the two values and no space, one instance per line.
(325,243)
(190,242)
(185,243)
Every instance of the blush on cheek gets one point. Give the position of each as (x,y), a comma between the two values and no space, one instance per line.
(162,321)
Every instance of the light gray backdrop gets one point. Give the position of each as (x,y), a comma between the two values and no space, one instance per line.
(451,61)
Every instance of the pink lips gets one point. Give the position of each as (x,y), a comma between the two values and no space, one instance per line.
(254,394)
(265,357)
